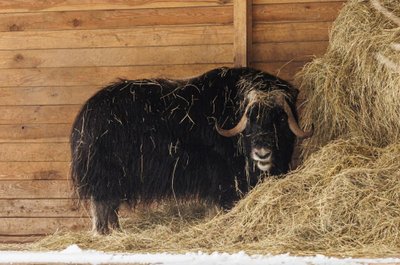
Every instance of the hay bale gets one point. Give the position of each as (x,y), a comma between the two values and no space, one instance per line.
(344,199)
(351,93)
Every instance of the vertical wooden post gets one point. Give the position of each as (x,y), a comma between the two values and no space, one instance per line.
(242,26)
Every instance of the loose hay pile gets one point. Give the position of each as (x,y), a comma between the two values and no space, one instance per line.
(345,198)
(350,91)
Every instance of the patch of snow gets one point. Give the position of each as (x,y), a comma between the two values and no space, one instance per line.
(73,254)
(72,249)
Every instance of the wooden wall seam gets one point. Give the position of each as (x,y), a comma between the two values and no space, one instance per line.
(11,6)
(243,32)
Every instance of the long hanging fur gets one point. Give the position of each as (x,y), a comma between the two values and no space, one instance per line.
(145,140)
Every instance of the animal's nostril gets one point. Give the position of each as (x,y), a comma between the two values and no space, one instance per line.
(263,153)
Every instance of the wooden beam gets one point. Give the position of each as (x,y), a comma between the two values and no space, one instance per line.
(242,32)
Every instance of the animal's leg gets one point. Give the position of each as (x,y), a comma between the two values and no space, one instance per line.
(113,216)
(220,170)
(100,215)
(228,197)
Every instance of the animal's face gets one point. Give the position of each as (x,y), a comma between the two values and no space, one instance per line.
(269,129)
(266,135)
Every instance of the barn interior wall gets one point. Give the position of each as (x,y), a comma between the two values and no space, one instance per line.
(56,54)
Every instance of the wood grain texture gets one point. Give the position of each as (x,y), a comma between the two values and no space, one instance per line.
(90,57)
(51,95)
(18,6)
(48,78)
(145,36)
(115,19)
(38,133)
(243,26)
(263,2)
(96,76)
(41,226)
(30,152)
(32,170)
(35,189)
(10,239)
(296,12)
(38,114)
(291,32)
(41,208)
(60,208)
(288,51)
(284,70)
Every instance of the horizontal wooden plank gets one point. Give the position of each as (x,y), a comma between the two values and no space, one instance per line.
(55,208)
(34,170)
(43,132)
(161,36)
(291,32)
(35,133)
(35,189)
(41,226)
(42,208)
(14,245)
(50,152)
(61,263)
(117,56)
(54,95)
(263,2)
(96,76)
(5,240)
(38,114)
(281,69)
(27,116)
(46,95)
(47,78)
(133,37)
(115,19)
(13,6)
(287,51)
(299,12)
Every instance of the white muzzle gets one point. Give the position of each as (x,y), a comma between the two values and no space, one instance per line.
(263,157)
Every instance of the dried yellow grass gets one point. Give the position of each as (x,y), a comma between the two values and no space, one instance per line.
(350,91)
(343,200)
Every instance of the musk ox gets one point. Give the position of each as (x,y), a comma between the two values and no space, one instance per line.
(211,137)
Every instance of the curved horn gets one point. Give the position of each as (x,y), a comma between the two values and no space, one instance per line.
(293,125)
(239,127)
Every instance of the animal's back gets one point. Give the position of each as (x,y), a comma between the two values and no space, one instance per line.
(106,138)
(125,148)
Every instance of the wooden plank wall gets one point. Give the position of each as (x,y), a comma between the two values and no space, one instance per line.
(55,54)
(287,33)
